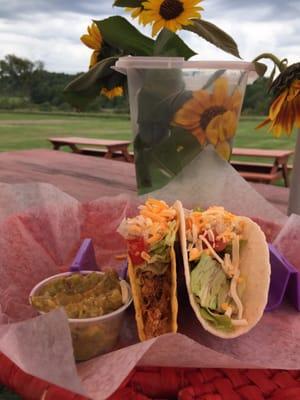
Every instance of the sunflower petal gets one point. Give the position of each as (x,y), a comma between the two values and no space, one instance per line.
(111,93)
(90,42)
(157,26)
(224,150)
(264,123)
(220,90)
(235,101)
(297,106)
(193,2)
(94,58)
(192,105)
(277,104)
(203,99)
(186,118)
(212,134)
(200,135)
(96,32)
(229,124)
(171,25)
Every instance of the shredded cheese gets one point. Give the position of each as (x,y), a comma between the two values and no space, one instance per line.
(145,256)
(194,254)
(234,295)
(152,224)
(120,256)
(228,312)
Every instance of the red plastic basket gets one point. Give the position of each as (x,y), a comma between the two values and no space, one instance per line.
(146,383)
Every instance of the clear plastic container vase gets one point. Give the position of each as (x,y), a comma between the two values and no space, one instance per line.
(177,108)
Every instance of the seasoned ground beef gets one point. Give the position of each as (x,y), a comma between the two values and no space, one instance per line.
(155,291)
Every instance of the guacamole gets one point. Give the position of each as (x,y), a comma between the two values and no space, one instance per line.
(82,295)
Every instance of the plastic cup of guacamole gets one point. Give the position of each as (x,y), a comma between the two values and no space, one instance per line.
(95,303)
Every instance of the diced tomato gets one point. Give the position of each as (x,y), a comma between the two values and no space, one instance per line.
(219,245)
(135,248)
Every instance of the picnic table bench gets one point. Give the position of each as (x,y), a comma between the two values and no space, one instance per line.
(103,147)
(251,171)
(263,172)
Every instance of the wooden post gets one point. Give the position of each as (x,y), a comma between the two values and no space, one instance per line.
(294,198)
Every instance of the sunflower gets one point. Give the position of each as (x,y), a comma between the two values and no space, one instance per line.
(111,93)
(170,14)
(94,41)
(137,12)
(212,117)
(284,112)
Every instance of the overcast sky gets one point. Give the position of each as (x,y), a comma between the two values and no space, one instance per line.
(49,30)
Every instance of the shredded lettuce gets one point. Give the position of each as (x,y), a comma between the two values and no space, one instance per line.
(221,322)
(210,284)
(199,209)
(160,251)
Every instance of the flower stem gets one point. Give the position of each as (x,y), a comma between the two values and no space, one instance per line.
(281,64)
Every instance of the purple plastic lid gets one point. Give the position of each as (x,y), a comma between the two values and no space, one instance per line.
(85,259)
(285,281)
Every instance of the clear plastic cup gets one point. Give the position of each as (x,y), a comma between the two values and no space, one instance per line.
(178,107)
(92,336)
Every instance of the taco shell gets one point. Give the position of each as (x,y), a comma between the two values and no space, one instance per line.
(138,304)
(255,268)
(154,285)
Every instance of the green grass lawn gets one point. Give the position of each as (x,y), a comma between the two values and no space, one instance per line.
(30,131)
(20,131)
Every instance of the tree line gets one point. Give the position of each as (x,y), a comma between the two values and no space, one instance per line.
(25,84)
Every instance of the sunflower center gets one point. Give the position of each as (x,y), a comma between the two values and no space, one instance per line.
(171,9)
(209,114)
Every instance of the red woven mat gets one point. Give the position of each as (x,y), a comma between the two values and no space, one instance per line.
(210,384)
(169,383)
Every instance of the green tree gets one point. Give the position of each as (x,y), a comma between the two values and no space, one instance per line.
(16,74)
(257,99)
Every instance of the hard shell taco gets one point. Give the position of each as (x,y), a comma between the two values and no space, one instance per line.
(227,269)
(152,266)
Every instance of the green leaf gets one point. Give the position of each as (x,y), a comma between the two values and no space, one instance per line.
(214,35)
(128,3)
(118,32)
(170,45)
(260,68)
(163,92)
(213,78)
(87,86)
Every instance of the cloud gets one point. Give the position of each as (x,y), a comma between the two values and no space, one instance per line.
(15,9)
(49,30)
(254,10)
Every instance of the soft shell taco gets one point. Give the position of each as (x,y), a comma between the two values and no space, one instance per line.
(227,269)
(152,266)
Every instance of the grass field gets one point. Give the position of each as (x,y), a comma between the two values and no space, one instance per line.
(29,131)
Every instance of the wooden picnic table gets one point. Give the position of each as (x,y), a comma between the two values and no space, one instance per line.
(111,147)
(262,171)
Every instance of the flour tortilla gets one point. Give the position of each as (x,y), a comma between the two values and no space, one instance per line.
(255,269)
(136,295)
